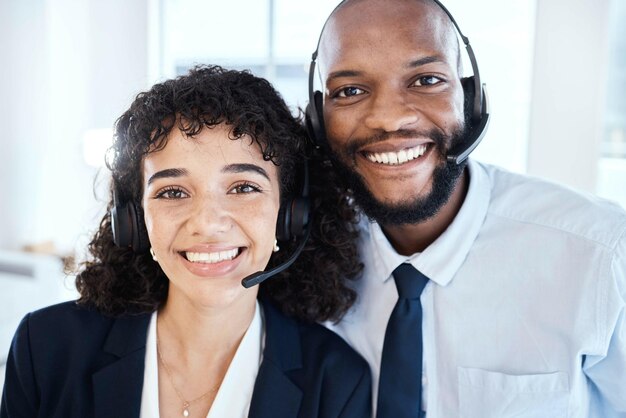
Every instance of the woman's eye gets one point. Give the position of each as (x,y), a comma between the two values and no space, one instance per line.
(429,80)
(349,92)
(244,188)
(172,193)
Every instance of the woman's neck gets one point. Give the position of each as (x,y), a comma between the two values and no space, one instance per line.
(195,347)
(197,331)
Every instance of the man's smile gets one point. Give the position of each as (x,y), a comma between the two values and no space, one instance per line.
(397,157)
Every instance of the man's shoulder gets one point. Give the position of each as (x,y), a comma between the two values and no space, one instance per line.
(537,201)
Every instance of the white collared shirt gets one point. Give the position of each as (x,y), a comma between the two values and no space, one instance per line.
(525,312)
(234,395)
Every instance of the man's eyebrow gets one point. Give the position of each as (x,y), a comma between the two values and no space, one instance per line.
(412,64)
(242,168)
(342,73)
(423,61)
(169,172)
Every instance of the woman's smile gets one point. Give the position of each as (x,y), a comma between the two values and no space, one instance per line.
(212,264)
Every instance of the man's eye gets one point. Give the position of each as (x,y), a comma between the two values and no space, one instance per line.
(244,188)
(171,193)
(429,80)
(349,92)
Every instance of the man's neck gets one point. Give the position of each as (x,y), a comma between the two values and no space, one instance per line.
(413,238)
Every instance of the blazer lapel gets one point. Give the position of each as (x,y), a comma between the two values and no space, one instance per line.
(275,394)
(118,385)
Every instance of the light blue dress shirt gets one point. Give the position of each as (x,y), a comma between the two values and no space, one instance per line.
(525,312)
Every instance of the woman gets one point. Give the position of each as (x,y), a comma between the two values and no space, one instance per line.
(163,327)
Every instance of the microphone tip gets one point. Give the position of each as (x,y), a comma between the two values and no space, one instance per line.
(253,279)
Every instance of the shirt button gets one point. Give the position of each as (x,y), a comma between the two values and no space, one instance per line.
(424,380)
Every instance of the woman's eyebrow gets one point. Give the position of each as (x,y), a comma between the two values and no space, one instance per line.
(169,172)
(241,168)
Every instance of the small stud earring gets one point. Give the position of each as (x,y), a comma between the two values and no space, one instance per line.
(276,247)
(154,257)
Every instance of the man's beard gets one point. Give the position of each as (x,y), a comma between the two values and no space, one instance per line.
(444,179)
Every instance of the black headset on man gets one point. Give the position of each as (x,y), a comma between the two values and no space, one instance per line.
(293,221)
(479,119)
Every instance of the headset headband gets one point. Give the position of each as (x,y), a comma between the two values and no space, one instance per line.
(470,52)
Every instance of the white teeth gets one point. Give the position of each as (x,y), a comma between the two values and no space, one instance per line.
(212,257)
(400,157)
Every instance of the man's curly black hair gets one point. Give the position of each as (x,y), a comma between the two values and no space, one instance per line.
(118,281)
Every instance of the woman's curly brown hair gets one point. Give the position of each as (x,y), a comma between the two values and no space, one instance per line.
(119,281)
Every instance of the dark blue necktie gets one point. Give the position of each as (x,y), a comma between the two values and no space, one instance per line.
(400,384)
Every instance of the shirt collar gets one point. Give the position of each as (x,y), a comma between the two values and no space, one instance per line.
(442,259)
(234,395)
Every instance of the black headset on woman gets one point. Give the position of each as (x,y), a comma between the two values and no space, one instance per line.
(293,223)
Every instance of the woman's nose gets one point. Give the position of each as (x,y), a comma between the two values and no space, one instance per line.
(209,216)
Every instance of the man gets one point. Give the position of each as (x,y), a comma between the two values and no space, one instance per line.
(523,309)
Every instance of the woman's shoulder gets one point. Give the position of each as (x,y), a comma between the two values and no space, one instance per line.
(73,335)
(71,324)
(64,316)
(61,325)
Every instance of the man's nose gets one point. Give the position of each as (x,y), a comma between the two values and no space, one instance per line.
(389,111)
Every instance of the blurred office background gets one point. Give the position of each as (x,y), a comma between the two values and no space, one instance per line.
(555,72)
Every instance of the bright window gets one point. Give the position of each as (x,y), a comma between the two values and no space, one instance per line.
(272,38)
(275,39)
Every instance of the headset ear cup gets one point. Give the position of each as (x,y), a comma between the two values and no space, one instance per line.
(294,212)
(314,119)
(121,225)
(300,211)
(469,94)
(293,217)
(476,120)
(310,121)
(318,99)
(129,229)
(140,240)
(283,222)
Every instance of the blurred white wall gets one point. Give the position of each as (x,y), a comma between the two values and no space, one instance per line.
(569,91)
(24,88)
(68,66)
(502,35)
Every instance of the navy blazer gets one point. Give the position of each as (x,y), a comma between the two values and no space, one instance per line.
(68,361)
